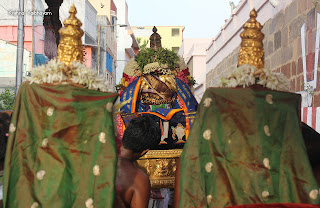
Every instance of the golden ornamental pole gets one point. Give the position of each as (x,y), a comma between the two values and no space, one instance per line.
(252,51)
(70,46)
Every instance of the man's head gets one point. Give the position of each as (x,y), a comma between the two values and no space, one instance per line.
(141,134)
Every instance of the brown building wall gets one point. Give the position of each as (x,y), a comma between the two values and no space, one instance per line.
(282,45)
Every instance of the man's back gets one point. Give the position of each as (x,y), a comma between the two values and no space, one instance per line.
(132,185)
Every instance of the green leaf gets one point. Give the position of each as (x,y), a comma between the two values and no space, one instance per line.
(7,98)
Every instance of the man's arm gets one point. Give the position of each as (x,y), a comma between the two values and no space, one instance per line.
(176,199)
(141,194)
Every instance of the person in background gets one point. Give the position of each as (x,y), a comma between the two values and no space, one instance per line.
(132,184)
(5,119)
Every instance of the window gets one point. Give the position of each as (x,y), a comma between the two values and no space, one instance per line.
(109,62)
(175,49)
(175,32)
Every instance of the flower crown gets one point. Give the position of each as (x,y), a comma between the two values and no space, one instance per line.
(160,61)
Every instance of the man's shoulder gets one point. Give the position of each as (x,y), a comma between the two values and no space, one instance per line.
(141,174)
(142,178)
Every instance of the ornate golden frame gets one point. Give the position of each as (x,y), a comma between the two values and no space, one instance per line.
(161,167)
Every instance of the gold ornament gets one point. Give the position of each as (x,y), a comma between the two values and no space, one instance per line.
(251,51)
(161,166)
(70,47)
(156,90)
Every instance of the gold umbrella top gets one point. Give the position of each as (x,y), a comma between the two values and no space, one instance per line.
(251,51)
(155,39)
(70,46)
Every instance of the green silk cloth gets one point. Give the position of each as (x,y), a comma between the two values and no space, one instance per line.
(246,147)
(61,149)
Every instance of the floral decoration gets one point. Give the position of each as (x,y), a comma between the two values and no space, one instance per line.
(244,76)
(156,62)
(184,76)
(55,71)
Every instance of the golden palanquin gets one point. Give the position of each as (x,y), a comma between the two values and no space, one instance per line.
(160,165)
(160,89)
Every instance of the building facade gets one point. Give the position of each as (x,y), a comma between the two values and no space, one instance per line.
(291,47)
(8,38)
(222,55)
(8,57)
(127,45)
(193,51)
(107,16)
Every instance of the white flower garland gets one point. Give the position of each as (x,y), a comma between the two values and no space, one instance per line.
(244,76)
(131,67)
(53,72)
(155,66)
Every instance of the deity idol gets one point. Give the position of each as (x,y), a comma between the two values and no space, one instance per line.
(157,82)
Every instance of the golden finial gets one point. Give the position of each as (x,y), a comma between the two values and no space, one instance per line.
(251,51)
(155,39)
(70,46)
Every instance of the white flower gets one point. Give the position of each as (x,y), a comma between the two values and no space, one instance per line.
(209,167)
(267,130)
(12,128)
(96,170)
(244,76)
(109,106)
(207,134)
(102,137)
(314,194)
(49,73)
(266,163)
(50,111)
(35,205)
(207,102)
(89,203)
(233,82)
(80,74)
(130,67)
(44,142)
(147,69)
(40,174)
(269,98)
(265,194)
(209,199)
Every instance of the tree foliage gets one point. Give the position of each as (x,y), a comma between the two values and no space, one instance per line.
(7,98)
(142,45)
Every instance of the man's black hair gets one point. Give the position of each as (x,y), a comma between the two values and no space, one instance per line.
(141,134)
(4,130)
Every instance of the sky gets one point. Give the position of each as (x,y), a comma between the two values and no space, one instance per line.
(201,18)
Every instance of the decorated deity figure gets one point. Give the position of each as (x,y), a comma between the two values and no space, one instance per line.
(157,82)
